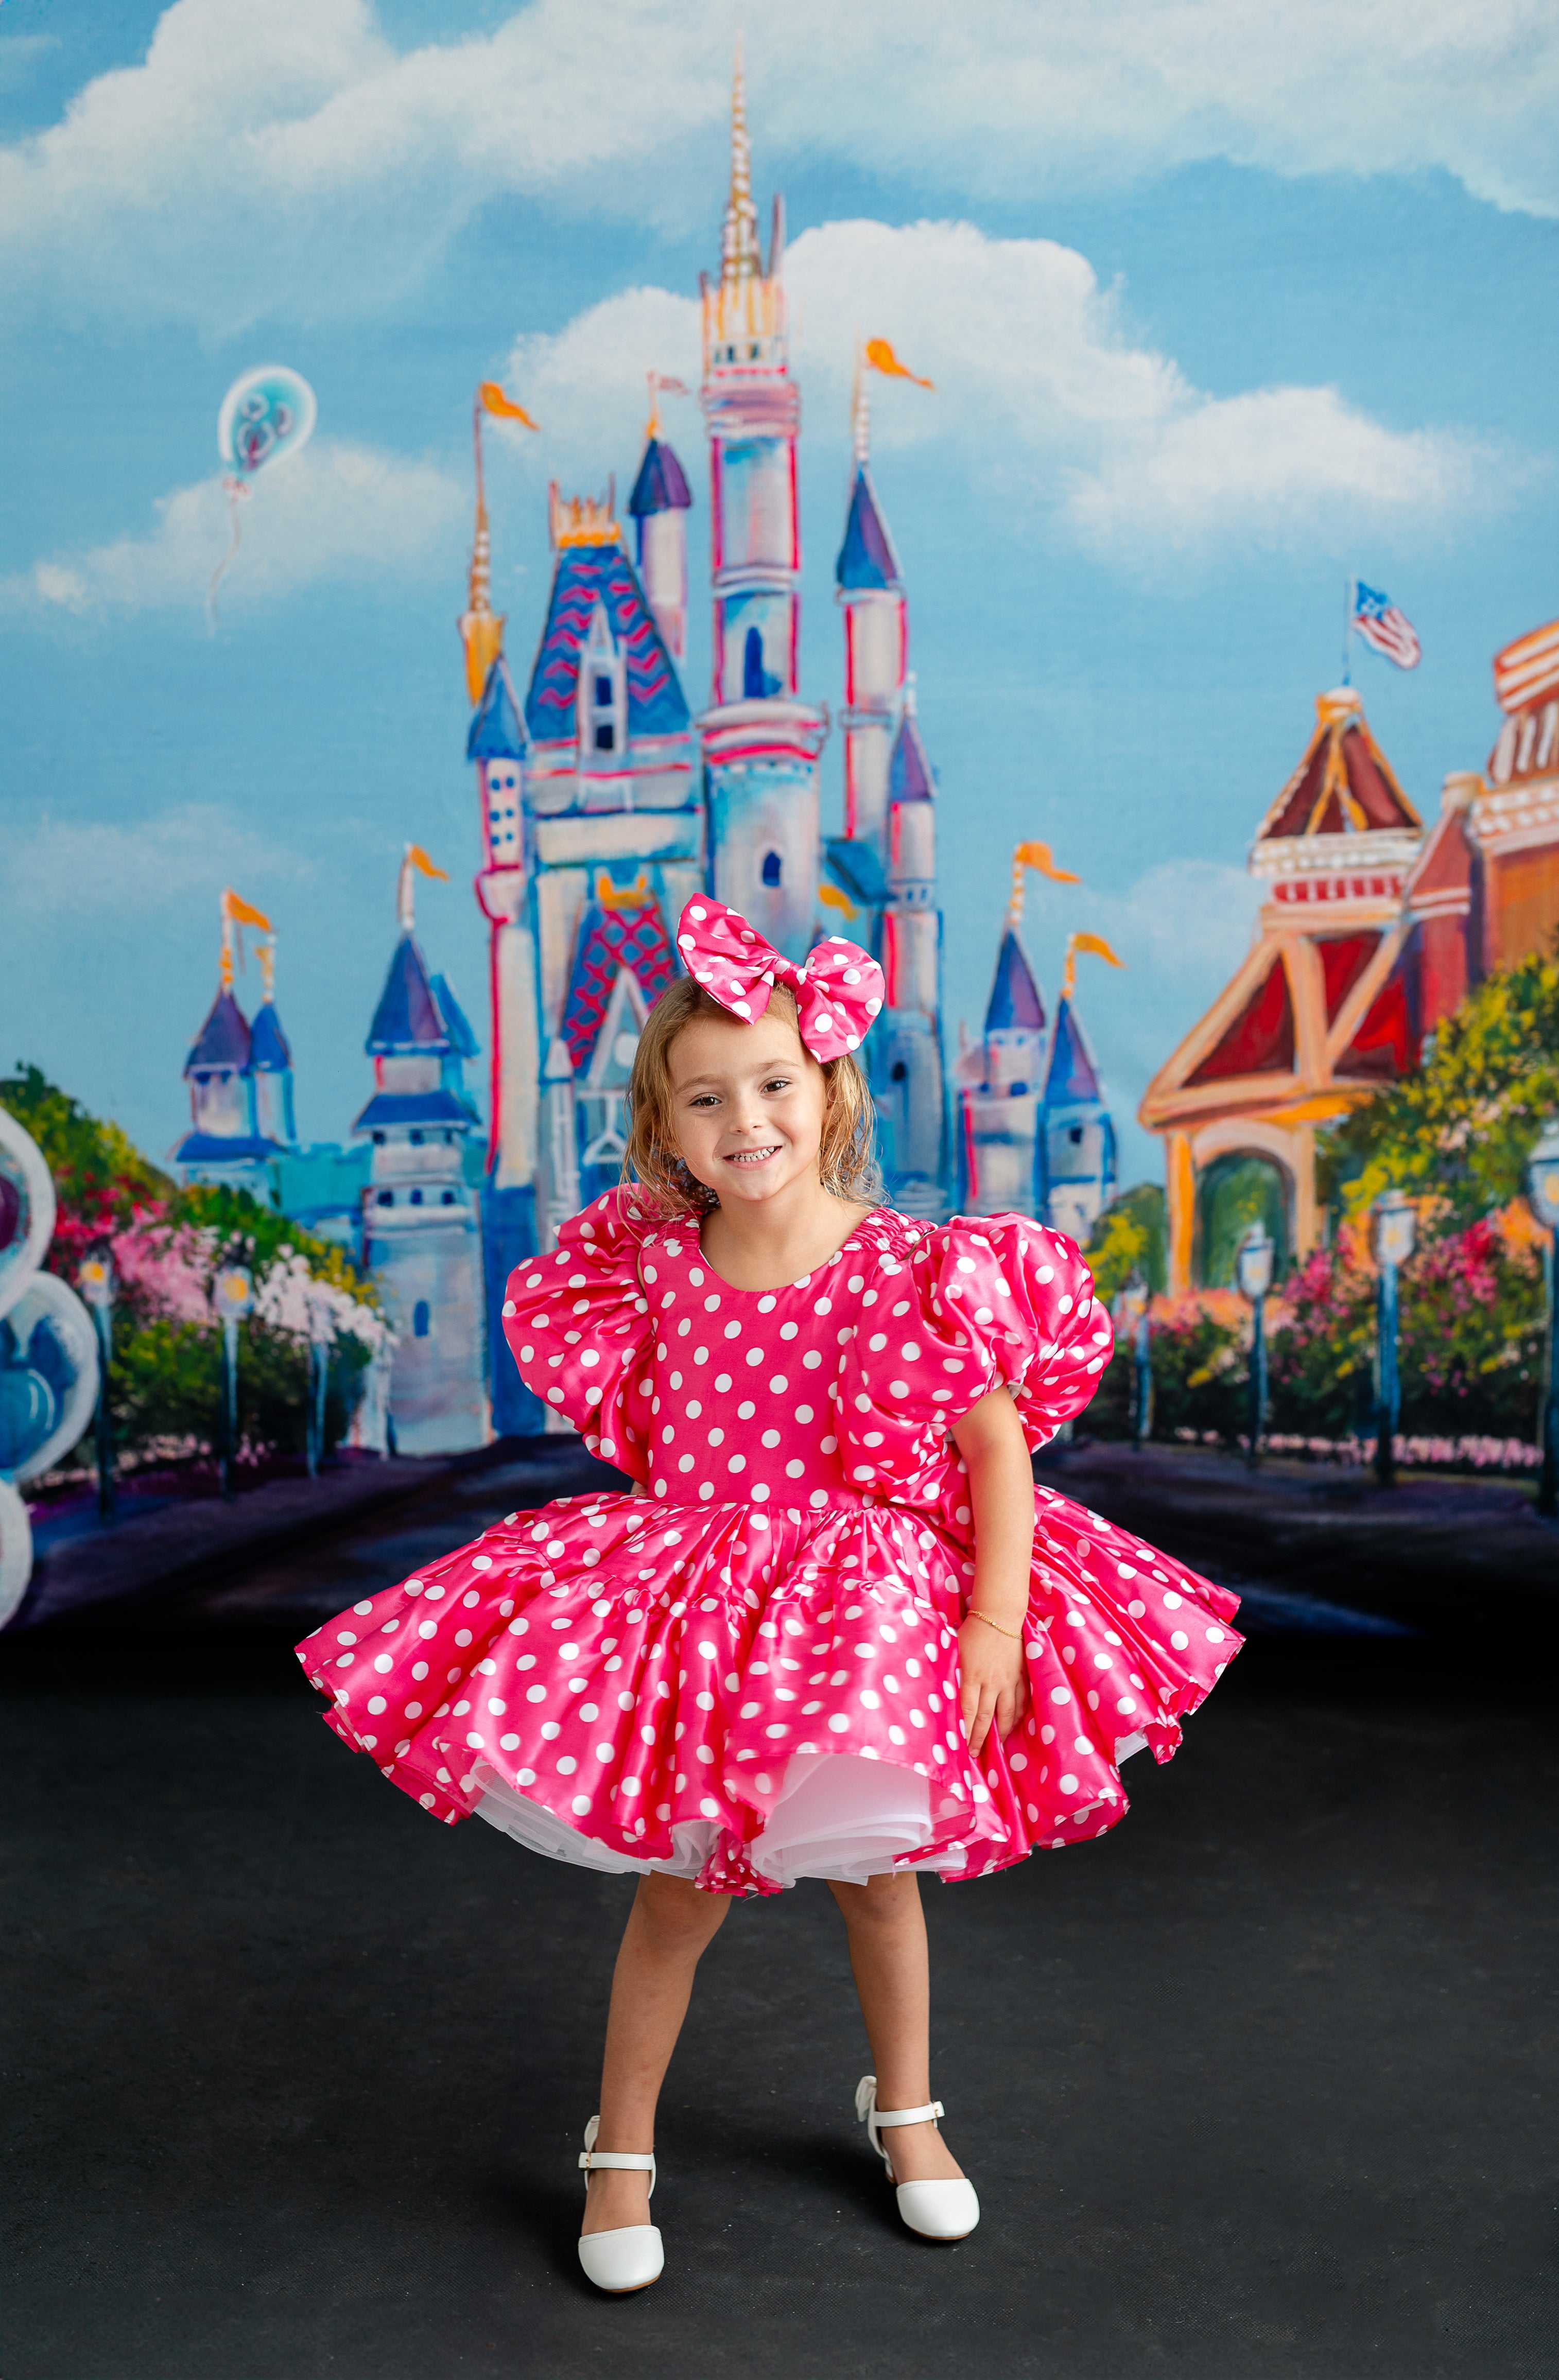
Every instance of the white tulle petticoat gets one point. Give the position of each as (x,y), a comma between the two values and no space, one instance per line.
(837,1817)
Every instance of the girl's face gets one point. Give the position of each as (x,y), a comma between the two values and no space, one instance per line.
(746,1105)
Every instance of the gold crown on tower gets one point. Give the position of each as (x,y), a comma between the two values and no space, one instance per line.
(582,520)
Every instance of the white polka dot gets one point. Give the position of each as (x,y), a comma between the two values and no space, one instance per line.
(839,1723)
(1179,1640)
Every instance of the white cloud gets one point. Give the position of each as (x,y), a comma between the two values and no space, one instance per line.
(85,865)
(290,155)
(1041,396)
(336,510)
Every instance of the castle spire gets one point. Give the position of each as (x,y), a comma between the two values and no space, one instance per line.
(740,258)
(481,628)
(860,410)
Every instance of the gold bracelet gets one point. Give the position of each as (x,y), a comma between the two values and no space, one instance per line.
(1016,1633)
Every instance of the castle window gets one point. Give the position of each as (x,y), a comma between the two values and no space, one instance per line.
(601,691)
(900,1072)
(419,1318)
(386,1198)
(448,1198)
(378,1140)
(417,1197)
(416,1140)
(773,868)
(1075,1136)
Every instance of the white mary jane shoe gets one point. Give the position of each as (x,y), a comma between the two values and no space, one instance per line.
(626,2260)
(937,2210)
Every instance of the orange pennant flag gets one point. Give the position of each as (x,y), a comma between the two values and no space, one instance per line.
(1037,856)
(240,912)
(881,357)
(423,865)
(494,401)
(1094,943)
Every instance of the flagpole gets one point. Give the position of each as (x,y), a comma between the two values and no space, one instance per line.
(1348,585)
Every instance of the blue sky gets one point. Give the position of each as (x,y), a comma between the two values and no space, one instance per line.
(1220,306)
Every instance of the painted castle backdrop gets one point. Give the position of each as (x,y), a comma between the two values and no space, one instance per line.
(606,803)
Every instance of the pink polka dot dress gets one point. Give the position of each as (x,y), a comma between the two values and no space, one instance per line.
(747,1672)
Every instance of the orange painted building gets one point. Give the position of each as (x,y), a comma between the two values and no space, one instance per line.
(1373,930)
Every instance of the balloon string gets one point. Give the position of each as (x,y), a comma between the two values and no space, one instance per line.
(236,492)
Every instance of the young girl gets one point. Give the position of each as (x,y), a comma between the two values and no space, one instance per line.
(834,1630)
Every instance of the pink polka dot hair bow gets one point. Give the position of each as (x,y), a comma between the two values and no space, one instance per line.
(838,989)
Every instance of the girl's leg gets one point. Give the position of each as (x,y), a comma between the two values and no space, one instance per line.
(892,1969)
(669,1929)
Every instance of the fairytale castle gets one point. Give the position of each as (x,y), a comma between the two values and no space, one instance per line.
(606,803)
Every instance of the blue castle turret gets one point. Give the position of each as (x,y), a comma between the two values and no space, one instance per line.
(886,861)
(240,1083)
(999,1093)
(421,1223)
(660,498)
(1077,1143)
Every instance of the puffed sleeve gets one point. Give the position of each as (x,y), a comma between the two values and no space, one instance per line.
(983,1301)
(578,1323)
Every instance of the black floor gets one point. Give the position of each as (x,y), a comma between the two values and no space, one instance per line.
(295,2078)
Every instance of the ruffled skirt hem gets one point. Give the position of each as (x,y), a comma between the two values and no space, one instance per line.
(747,1700)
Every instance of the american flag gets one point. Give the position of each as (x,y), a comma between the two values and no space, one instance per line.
(1382,625)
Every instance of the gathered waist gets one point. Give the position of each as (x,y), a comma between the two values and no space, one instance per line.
(760,1509)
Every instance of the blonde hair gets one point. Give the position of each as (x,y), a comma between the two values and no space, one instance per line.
(847,1156)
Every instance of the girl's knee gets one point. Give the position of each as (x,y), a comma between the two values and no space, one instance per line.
(676,1913)
(886,1900)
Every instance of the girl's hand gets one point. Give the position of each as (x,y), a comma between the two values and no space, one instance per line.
(993,1684)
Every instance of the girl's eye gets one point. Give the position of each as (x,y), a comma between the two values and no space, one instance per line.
(780,1083)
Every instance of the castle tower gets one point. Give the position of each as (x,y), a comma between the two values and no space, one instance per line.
(999,1094)
(1077,1139)
(887,860)
(270,1061)
(908,1078)
(1327,1004)
(657,505)
(760,740)
(227,1143)
(615,833)
(421,1229)
(496,745)
(871,592)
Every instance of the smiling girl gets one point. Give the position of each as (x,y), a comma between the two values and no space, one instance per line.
(833,1632)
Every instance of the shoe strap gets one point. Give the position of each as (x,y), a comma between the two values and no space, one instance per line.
(884,2117)
(613,2161)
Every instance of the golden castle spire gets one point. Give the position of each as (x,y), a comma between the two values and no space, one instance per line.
(740,258)
(481,628)
(744,311)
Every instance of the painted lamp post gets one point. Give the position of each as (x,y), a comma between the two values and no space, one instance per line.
(1255,1268)
(95,1282)
(1135,1302)
(1396,1231)
(232,1297)
(1542,1189)
(322,1333)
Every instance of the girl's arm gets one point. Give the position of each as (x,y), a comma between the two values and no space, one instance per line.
(990,1438)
